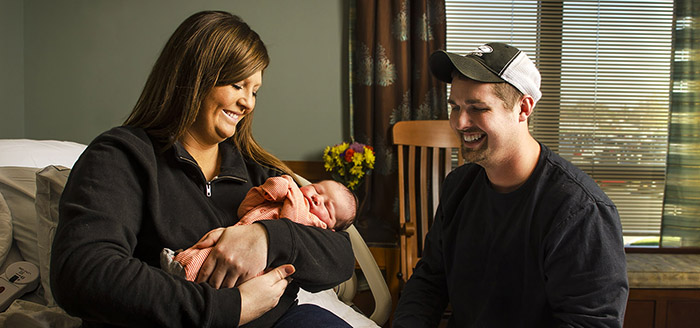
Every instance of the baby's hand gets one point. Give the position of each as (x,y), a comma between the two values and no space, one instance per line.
(268,196)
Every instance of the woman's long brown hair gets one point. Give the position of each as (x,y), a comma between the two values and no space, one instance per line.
(210,48)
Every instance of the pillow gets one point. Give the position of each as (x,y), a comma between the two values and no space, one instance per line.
(49,186)
(20,160)
(18,187)
(5,230)
(39,153)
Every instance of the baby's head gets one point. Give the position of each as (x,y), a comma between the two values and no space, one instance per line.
(331,202)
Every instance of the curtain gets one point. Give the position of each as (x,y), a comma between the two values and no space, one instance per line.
(680,225)
(681,216)
(390,42)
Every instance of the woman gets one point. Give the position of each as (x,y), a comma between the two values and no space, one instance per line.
(177,169)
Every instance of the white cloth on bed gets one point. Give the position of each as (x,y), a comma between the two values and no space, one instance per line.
(328,300)
(39,153)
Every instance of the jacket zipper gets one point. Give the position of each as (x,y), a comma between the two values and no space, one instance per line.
(208,183)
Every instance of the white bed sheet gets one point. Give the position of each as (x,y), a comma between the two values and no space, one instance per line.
(39,153)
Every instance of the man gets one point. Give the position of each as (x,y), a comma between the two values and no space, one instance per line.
(521,238)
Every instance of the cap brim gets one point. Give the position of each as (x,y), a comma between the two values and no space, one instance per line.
(443,64)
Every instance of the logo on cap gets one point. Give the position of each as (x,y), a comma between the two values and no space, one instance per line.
(484,49)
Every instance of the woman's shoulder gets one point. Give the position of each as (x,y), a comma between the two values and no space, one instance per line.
(122,142)
(125,137)
(124,134)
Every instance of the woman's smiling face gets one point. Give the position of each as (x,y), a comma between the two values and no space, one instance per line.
(223,107)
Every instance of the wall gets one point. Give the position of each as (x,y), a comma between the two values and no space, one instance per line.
(11,69)
(85,63)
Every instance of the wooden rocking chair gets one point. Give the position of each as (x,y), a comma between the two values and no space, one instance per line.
(427,152)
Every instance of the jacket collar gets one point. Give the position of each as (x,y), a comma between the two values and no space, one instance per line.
(233,164)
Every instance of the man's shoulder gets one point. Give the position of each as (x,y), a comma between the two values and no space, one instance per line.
(459,182)
(461,174)
(464,170)
(567,178)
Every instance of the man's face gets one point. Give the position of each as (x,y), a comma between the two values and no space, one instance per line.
(486,128)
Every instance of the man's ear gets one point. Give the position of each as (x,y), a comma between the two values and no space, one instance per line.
(527,106)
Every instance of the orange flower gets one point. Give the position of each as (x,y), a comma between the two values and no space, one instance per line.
(348,155)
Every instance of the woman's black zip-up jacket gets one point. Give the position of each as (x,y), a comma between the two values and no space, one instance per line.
(125,200)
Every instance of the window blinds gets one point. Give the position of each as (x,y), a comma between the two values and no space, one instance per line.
(606,69)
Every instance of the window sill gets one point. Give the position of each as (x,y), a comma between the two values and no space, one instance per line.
(666,271)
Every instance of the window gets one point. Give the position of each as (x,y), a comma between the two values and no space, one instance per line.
(606,68)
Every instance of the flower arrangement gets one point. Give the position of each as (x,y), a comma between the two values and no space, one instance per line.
(349,162)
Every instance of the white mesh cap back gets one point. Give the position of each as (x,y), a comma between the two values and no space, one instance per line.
(524,76)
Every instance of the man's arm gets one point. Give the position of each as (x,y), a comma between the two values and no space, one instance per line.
(585,269)
(424,298)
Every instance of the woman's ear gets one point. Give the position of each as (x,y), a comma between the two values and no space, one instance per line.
(527,106)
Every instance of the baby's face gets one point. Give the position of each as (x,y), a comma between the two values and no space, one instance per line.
(327,201)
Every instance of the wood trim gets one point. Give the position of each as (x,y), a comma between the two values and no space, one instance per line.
(310,170)
(663,250)
(664,293)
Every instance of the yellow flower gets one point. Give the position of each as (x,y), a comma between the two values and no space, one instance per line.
(349,162)
(357,171)
(357,159)
(369,159)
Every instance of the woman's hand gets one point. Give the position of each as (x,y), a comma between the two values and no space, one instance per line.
(261,294)
(238,254)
